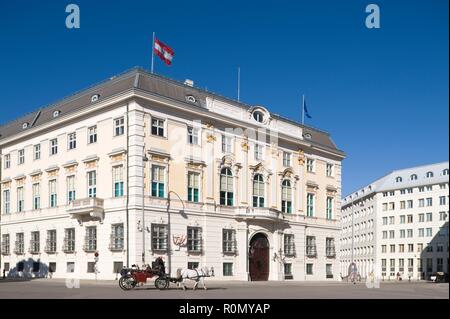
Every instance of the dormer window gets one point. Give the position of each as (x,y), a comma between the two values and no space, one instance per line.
(398,179)
(56,113)
(445,172)
(429,174)
(191,99)
(258,116)
(413,177)
(95,97)
(25,125)
(307,135)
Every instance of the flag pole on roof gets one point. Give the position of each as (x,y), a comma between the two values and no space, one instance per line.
(239,84)
(304,110)
(153,49)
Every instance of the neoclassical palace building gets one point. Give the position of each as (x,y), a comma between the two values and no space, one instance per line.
(141,166)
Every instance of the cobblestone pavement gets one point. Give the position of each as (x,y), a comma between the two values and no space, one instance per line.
(58,288)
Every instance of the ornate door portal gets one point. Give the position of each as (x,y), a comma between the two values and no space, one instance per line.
(259,258)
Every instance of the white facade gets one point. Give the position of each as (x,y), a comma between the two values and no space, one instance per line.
(86,196)
(399,224)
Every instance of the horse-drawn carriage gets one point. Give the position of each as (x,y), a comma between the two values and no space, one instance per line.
(135,276)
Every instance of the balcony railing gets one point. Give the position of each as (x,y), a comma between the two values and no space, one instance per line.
(311,251)
(90,244)
(331,252)
(263,213)
(5,251)
(34,247)
(90,208)
(50,247)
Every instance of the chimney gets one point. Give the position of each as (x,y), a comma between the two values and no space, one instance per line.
(189,82)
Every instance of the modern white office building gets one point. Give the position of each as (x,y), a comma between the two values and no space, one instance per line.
(398,225)
(141,166)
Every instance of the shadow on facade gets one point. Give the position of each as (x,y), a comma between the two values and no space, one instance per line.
(28,269)
(434,257)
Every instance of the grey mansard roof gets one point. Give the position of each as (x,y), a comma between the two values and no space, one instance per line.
(139,79)
(401,178)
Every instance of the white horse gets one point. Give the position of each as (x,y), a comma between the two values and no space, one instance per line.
(198,275)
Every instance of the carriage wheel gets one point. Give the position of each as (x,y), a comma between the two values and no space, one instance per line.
(162,283)
(127,282)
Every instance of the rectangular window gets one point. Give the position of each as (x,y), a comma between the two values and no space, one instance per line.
(402,204)
(391,220)
(421,218)
(92,134)
(410,248)
(19,244)
(402,219)
(329,271)
(383,249)
(6,201)
(391,234)
(117,237)
(429,265)
(119,126)
(92,184)
(157,127)
(53,193)
(70,266)
(258,152)
(401,248)
(5,244)
(21,157)
(7,161)
(159,237)
(50,245)
(421,232)
(71,193)
(384,207)
(311,250)
(329,210)
(441,200)
(229,241)
(429,201)
(330,248)
(442,216)
(118,181)
(194,239)
(53,146)
(309,269)
(192,265)
(429,217)
(392,248)
(286,159)
(383,264)
(401,264)
(117,267)
(90,241)
(410,233)
(440,264)
(288,271)
(35,242)
(419,248)
(392,266)
(385,220)
(158,178)
(310,165)
(421,202)
(193,187)
(289,245)
(226,144)
(410,219)
(329,170)
(72,141)
(91,267)
(402,233)
(36,196)
(227,269)
(310,205)
(69,240)
(37,151)
(429,232)
(392,206)
(409,204)
(20,200)
(192,135)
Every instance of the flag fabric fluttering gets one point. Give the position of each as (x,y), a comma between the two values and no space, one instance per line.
(164,52)
(305,110)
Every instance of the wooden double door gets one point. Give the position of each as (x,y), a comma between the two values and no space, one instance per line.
(259,258)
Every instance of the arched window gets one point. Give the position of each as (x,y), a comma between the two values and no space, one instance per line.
(445,172)
(286,197)
(258,116)
(258,191)
(398,179)
(226,187)
(429,174)
(413,177)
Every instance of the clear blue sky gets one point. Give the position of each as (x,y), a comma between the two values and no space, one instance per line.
(382,94)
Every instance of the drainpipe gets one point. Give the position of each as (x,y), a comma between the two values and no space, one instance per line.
(128,190)
(144,160)
(1,196)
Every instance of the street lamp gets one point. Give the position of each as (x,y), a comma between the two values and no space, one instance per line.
(144,160)
(168,229)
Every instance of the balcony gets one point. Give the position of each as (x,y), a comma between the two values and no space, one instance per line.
(116,243)
(68,246)
(260,213)
(87,209)
(50,247)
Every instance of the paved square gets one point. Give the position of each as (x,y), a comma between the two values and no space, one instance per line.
(56,288)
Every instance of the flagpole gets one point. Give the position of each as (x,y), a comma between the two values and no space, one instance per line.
(153,49)
(303,109)
(239,84)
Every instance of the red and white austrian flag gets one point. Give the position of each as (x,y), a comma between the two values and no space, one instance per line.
(163,51)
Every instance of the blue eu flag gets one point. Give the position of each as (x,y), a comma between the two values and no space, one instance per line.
(306,110)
